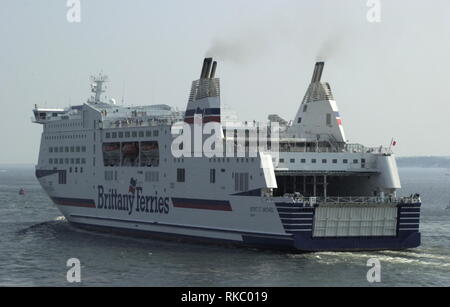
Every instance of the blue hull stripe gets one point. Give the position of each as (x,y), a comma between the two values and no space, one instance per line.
(202,204)
(74,202)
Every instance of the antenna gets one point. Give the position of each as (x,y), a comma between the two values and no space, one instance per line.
(123,92)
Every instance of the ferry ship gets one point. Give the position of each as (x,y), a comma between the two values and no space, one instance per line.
(113,168)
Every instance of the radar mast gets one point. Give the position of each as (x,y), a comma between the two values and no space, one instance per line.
(97,87)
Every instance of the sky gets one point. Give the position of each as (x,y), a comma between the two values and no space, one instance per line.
(390,78)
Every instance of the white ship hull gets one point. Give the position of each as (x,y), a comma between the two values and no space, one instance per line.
(242,220)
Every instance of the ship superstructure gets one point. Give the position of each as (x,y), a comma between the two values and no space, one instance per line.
(113,167)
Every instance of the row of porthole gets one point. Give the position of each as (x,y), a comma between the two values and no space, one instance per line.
(67,149)
(324,161)
(62,161)
(66,137)
(133,134)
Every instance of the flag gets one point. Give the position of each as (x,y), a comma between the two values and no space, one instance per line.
(338,118)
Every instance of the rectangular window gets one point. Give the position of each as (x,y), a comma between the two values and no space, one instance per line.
(335,161)
(127,134)
(134,134)
(355,161)
(151,176)
(241,182)
(114,135)
(78,161)
(345,161)
(292,160)
(324,161)
(328,119)
(83,149)
(212,175)
(313,161)
(108,135)
(109,175)
(120,134)
(148,133)
(66,149)
(141,134)
(50,149)
(303,160)
(181,175)
(299,120)
(305,108)
(155,133)
(62,177)
(78,149)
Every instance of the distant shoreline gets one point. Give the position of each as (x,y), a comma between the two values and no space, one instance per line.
(424,162)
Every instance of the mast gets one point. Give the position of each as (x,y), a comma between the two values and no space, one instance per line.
(97,87)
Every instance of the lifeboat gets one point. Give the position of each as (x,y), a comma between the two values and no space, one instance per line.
(149,146)
(130,149)
(111,147)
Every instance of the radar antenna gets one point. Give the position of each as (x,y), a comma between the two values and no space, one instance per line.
(97,87)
